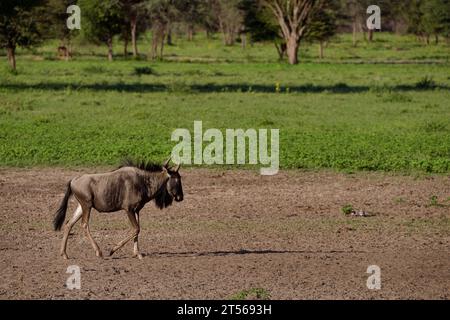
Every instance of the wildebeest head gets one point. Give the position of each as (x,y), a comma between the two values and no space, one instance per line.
(174,186)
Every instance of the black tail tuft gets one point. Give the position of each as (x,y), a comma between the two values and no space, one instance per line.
(60,215)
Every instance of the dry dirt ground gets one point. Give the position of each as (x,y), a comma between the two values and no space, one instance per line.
(236,231)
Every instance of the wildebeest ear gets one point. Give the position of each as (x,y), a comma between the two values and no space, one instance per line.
(166,163)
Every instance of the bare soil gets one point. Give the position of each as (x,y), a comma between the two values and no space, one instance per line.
(236,231)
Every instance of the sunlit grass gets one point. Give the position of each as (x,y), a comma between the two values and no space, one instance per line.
(361,116)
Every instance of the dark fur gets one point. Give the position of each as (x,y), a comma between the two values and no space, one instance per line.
(60,216)
(163,199)
(141,164)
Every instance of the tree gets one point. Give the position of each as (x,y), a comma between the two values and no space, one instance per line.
(354,11)
(444,20)
(394,12)
(161,14)
(133,17)
(262,25)
(435,18)
(322,26)
(414,14)
(293,18)
(191,15)
(19,26)
(229,18)
(208,8)
(56,18)
(427,18)
(102,20)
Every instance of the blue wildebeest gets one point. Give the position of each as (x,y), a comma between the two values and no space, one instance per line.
(128,188)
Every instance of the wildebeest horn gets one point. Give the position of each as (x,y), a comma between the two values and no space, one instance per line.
(177,168)
(166,163)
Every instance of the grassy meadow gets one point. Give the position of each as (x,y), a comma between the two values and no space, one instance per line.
(380,106)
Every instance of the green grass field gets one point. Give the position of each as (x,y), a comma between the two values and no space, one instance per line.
(380,106)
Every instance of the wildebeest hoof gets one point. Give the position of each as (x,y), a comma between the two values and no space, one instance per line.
(65,257)
(99,254)
(111,252)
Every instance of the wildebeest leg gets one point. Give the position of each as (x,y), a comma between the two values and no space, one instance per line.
(76,216)
(136,252)
(85,224)
(134,232)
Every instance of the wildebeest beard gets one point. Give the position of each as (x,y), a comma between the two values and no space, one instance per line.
(163,198)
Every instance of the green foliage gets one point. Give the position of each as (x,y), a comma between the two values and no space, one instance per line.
(347,209)
(252,294)
(56,16)
(436,17)
(20,23)
(426,83)
(429,17)
(192,12)
(259,21)
(143,71)
(102,19)
(323,23)
(434,202)
(164,11)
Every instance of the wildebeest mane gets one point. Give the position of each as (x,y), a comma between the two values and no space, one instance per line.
(141,164)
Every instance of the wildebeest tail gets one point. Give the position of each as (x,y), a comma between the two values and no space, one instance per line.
(60,215)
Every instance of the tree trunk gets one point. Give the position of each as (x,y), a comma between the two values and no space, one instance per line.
(222,30)
(158,38)
(370,35)
(110,49)
(226,39)
(292,49)
(354,33)
(125,47)
(229,37)
(169,35)
(281,49)
(154,53)
(190,32)
(161,53)
(423,39)
(133,36)
(395,26)
(12,57)
(230,41)
(321,45)
(69,49)
(361,29)
(243,40)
